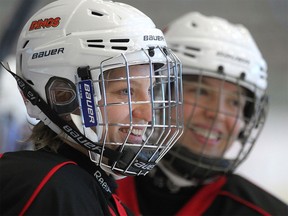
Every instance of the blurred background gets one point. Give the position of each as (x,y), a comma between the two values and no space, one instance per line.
(267,20)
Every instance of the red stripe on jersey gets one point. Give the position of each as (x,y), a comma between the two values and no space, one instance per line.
(42,184)
(127,190)
(198,204)
(245,202)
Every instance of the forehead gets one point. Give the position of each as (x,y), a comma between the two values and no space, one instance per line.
(211,82)
(134,70)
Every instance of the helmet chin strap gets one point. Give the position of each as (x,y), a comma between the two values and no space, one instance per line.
(88,132)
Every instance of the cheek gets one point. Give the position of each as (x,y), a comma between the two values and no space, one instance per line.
(235,125)
(189,112)
(116,113)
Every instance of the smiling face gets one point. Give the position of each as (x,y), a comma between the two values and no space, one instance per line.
(213,115)
(127,121)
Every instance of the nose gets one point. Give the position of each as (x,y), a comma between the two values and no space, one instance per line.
(215,109)
(143,110)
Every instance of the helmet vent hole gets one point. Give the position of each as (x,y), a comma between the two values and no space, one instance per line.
(189,55)
(242,76)
(91,43)
(25,44)
(95,41)
(119,40)
(119,47)
(96,46)
(96,13)
(193,48)
(194,25)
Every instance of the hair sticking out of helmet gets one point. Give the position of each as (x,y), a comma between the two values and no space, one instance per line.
(75,54)
(221,61)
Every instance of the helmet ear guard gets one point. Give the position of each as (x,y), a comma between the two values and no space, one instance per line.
(61,95)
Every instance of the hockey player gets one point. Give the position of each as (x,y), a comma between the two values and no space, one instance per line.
(94,73)
(225,106)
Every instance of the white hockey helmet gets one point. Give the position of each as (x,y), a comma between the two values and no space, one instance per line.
(213,44)
(68,44)
(213,47)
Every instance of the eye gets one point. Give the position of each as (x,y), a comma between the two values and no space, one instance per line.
(237,102)
(125,91)
(202,91)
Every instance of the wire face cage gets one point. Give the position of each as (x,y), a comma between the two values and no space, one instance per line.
(131,104)
(223,117)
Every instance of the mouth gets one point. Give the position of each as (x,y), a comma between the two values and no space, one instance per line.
(134,135)
(206,136)
(134,131)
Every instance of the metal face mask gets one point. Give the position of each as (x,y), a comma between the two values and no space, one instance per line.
(130,105)
(222,122)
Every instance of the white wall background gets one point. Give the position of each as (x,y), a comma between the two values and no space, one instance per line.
(267,164)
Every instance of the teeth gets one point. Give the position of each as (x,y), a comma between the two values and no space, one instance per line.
(205,133)
(136,132)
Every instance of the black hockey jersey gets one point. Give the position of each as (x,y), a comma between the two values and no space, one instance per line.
(229,195)
(44,183)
